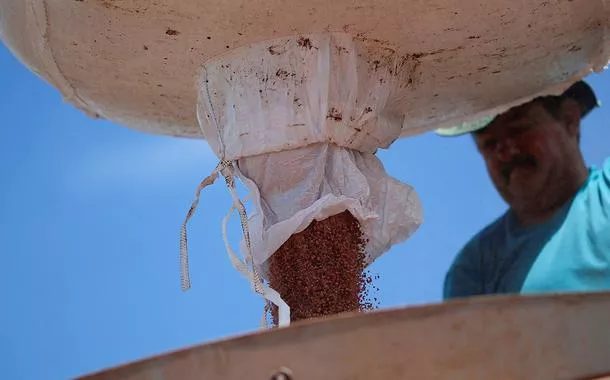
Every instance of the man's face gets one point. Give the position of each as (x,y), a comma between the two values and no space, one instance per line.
(526,150)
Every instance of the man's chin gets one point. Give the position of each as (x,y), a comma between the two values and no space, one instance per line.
(523,191)
(519,186)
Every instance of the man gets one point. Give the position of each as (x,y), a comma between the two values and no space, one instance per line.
(555,236)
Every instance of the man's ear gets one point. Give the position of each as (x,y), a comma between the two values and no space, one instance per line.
(570,116)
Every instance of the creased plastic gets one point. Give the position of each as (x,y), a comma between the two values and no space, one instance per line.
(294,187)
(114,59)
(302,117)
(603,58)
(33,47)
(297,91)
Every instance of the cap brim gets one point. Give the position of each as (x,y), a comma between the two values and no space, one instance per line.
(465,128)
(581,91)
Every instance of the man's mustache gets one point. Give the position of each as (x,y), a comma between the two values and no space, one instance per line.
(518,161)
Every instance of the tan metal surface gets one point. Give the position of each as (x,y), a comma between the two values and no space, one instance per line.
(136,61)
(535,337)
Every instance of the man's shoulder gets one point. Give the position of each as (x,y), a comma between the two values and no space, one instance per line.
(470,253)
(602,173)
(606,166)
(596,193)
(465,276)
(487,235)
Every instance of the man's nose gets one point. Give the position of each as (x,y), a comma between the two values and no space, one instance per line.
(506,150)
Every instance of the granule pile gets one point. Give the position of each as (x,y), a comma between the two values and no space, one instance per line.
(320,271)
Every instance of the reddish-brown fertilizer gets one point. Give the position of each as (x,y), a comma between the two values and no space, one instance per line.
(320,271)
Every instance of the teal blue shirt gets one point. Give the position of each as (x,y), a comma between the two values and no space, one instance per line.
(570,252)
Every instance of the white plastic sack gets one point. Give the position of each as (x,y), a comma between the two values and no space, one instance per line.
(303,116)
(296,91)
(136,62)
(294,187)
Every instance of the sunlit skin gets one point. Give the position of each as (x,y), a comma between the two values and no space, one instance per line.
(533,158)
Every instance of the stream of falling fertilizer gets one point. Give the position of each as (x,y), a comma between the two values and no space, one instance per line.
(321,270)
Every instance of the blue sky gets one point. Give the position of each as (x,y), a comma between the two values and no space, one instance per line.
(90,214)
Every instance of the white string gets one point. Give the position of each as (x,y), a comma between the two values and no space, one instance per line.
(226,169)
(237,263)
(253,276)
(247,267)
(257,285)
(185,278)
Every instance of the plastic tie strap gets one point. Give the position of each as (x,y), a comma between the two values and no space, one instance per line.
(245,267)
